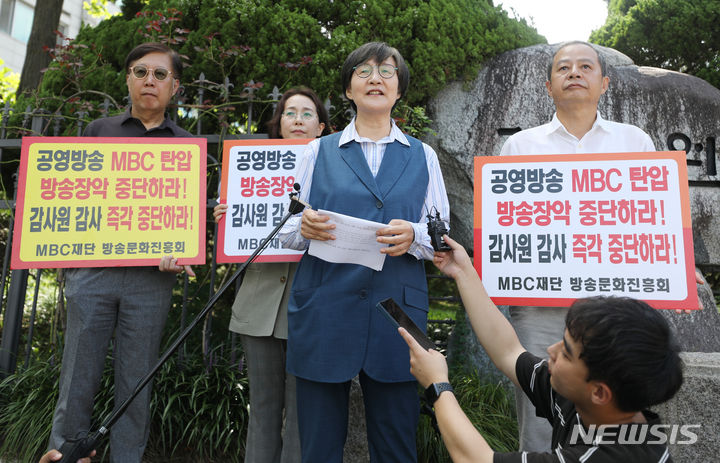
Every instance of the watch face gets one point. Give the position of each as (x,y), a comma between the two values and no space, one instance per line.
(433,391)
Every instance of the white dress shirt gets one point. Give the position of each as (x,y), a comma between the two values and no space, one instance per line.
(604,137)
(435,196)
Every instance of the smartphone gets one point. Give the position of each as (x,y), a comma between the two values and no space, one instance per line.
(398,317)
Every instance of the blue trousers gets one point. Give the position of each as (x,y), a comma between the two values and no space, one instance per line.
(392,411)
(132,303)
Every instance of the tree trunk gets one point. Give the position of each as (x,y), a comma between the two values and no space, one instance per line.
(45,22)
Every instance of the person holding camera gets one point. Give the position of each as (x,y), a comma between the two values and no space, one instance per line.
(615,358)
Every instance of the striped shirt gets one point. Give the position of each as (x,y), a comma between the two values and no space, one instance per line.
(435,196)
(573,442)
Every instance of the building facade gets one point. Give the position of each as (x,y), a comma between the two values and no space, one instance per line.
(16,17)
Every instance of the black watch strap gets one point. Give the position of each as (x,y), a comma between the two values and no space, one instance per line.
(433,391)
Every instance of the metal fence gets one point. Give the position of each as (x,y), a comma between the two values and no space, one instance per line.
(13,296)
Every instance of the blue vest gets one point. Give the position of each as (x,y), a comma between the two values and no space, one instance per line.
(334,328)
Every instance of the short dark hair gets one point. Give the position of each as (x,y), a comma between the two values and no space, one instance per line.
(273,124)
(380,51)
(154,47)
(629,346)
(601,60)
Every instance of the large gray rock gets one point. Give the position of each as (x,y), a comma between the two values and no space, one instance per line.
(356,446)
(466,353)
(696,404)
(677,110)
(699,330)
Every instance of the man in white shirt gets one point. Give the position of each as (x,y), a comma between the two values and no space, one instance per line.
(576,81)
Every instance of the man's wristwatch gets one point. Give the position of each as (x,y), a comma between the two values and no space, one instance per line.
(433,391)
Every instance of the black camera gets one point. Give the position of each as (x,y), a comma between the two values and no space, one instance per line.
(436,230)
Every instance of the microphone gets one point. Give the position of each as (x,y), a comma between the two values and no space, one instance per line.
(296,204)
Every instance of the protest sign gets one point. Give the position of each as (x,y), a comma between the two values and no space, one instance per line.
(553,228)
(257,176)
(104,202)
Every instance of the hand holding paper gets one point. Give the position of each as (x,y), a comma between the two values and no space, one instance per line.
(315,226)
(355,241)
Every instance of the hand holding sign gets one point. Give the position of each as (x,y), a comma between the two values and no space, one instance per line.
(169,264)
(219,211)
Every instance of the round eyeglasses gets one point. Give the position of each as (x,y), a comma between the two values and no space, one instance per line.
(363,71)
(305,115)
(141,71)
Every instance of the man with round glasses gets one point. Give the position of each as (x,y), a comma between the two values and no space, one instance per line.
(130,302)
(141,71)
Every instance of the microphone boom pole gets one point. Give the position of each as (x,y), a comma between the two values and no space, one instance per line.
(74,449)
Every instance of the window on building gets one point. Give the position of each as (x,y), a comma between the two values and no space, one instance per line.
(16,19)
(6,10)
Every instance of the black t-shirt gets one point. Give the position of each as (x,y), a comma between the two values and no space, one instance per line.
(573,442)
(125,125)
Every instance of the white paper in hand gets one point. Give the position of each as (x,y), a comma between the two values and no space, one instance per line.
(355,242)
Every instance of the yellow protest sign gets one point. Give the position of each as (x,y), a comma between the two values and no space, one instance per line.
(93,202)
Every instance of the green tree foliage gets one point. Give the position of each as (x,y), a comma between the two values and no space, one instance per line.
(620,7)
(681,35)
(284,43)
(130,7)
(197,412)
(9,81)
(97,8)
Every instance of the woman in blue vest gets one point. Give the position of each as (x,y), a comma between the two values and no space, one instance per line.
(373,171)
(259,313)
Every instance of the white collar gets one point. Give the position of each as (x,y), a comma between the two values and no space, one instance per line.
(350,134)
(555,124)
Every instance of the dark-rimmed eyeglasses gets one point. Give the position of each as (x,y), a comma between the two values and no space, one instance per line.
(140,71)
(364,71)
